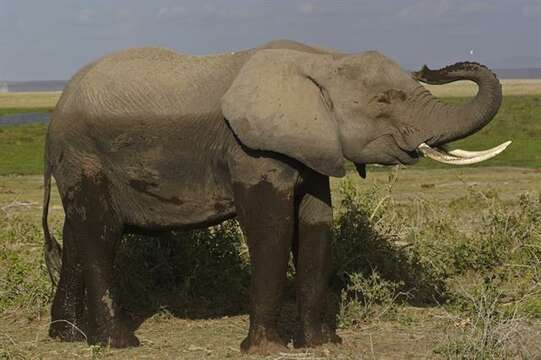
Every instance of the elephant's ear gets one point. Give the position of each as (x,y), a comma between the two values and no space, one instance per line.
(274,104)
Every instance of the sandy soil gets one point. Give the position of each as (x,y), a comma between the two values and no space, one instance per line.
(419,335)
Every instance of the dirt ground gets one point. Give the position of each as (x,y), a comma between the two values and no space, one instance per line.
(168,338)
(416,335)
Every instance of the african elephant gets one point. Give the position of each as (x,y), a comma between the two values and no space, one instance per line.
(149,140)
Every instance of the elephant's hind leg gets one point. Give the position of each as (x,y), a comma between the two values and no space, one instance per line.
(98,227)
(67,312)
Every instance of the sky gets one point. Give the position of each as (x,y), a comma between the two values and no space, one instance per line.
(52,39)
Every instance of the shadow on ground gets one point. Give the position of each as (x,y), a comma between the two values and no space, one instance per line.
(361,249)
(206,273)
(195,275)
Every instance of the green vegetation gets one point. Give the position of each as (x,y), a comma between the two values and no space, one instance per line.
(24,285)
(21,149)
(519,120)
(9,111)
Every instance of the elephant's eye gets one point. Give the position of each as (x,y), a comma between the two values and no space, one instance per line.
(389,96)
(382,98)
(397,94)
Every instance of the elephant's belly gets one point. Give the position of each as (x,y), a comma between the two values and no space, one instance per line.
(174,178)
(155,207)
(149,212)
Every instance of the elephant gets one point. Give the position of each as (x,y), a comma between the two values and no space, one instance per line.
(150,140)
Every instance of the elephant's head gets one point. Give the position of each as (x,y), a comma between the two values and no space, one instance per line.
(324,108)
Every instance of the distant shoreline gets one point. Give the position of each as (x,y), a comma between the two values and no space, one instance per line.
(31,86)
(25,118)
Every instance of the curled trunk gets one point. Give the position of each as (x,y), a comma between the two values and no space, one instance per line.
(447,122)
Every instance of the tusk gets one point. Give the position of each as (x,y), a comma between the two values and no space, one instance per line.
(472,154)
(461,157)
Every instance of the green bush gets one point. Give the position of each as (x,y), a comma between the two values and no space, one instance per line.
(193,273)
(368,236)
(367,299)
(424,253)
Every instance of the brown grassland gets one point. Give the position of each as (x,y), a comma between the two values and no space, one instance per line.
(29,100)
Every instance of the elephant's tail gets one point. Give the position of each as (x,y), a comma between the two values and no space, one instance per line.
(52,250)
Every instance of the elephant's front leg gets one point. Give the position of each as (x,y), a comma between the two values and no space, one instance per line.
(265,212)
(313,256)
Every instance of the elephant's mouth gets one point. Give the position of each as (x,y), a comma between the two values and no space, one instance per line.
(408,157)
(458,156)
(414,148)
(396,154)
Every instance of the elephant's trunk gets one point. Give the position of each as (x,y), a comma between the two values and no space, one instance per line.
(446,122)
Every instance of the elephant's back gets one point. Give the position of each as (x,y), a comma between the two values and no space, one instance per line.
(149,82)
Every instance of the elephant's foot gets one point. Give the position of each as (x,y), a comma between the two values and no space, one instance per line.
(66,331)
(316,337)
(263,342)
(119,338)
(124,340)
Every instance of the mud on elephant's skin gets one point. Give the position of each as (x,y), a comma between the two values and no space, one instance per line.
(151,140)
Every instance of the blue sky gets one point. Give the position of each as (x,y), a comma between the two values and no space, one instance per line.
(52,39)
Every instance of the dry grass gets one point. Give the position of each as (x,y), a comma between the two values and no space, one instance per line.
(511,87)
(449,184)
(30,100)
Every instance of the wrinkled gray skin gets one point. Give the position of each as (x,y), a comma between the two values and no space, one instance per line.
(152,140)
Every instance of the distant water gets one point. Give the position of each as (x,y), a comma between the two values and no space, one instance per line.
(25,86)
(25,118)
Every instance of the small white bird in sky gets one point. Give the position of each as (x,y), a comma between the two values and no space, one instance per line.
(471,52)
